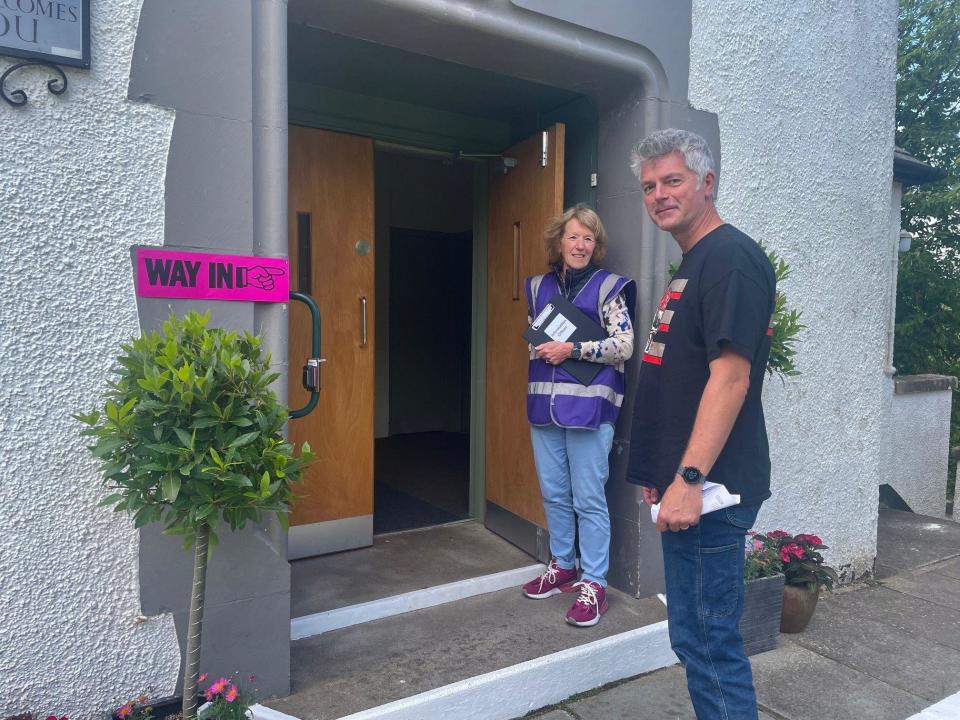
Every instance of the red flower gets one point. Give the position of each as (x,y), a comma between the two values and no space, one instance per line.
(809,539)
(778,534)
(791,550)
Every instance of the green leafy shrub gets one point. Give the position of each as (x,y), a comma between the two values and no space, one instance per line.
(190,433)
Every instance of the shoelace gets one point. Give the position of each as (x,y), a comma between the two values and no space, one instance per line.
(588,593)
(550,575)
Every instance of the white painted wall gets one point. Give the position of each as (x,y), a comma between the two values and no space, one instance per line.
(919,448)
(81,179)
(805,96)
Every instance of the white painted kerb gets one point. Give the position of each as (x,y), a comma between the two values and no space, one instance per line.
(946,709)
(519,689)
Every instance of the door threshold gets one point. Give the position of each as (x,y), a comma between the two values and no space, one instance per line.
(452,523)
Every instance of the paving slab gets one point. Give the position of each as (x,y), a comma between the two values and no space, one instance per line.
(950,568)
(797,684)
(661,695)
(930,586)
(895,610)
(558,714)
(906,541)
(399,563)
(897,657)
(348,670)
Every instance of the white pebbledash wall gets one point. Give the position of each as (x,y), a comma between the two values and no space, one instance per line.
(805,93)
(81,179)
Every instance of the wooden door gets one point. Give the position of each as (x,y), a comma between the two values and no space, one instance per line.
(521,202)
(331,252)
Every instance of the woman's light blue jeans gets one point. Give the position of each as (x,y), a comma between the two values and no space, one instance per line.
(572,465)
(703,567)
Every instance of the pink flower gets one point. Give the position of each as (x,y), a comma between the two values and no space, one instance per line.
(231,693)
(810,539)
(203,676)
(758,545)
(791,550)
(209,694)
(778,534)
(123,712)
(219,685)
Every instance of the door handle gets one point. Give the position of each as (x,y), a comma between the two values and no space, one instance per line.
(516,261)
(311,371)
(363,322)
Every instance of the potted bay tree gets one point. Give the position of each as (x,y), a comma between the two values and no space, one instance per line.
(190,434)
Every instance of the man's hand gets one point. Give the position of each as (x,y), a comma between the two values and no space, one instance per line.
(680,507)
(554,352)
(651,496)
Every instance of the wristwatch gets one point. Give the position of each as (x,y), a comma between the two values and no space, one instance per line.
(691,475)
(575,352)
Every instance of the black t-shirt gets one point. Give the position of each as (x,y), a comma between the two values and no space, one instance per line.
(721,295)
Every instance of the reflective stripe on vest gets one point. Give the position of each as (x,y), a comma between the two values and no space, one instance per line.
(577,390)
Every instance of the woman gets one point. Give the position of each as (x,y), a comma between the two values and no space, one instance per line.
(571,425)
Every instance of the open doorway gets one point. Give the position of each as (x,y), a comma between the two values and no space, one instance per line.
(423,187)
(424,238)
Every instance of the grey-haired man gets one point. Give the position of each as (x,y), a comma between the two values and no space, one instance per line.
(698,415)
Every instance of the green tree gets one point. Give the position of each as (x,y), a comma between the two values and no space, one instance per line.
(189,433)
(928,126)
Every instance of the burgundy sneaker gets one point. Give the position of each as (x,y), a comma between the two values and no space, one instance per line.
(590,605)
(554,580)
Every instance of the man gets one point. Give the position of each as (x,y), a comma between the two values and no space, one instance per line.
(698,415)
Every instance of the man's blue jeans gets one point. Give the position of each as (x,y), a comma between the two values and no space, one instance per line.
(703,567)
(572,465)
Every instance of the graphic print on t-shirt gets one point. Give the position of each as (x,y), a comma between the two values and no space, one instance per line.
(653,351)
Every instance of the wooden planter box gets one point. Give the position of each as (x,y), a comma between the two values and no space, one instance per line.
(760,623)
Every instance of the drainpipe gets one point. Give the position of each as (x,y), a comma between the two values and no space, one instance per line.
(501,19)
(269,45)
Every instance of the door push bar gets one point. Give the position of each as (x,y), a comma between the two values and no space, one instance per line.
(311,371)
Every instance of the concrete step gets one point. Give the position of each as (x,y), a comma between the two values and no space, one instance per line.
(400,563)
(489,657)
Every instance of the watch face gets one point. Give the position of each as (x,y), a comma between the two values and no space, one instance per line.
(691,475)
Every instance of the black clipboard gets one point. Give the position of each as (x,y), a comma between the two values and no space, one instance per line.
(561,320)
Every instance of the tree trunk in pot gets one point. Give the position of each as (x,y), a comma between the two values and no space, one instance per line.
(799,602)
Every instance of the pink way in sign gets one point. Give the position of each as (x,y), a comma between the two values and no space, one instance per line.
(206,276)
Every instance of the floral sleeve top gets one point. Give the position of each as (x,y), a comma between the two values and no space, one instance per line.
(617,348)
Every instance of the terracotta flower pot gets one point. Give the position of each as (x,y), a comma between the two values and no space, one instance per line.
(799,602)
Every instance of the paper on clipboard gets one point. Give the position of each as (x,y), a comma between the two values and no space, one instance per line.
(562,321)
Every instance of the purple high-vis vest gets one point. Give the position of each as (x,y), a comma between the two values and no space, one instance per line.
(554,397)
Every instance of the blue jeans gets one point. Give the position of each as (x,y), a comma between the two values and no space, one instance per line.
(703,567)
(572,465)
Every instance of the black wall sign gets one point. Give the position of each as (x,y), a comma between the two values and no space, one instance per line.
(54,30)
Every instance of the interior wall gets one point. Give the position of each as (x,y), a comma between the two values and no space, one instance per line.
(430,276)
(415,193)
